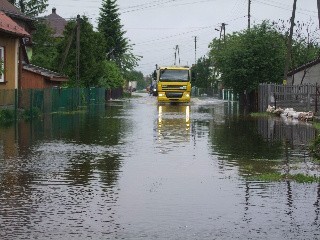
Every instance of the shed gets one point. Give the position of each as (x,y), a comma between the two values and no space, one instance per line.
(39,78)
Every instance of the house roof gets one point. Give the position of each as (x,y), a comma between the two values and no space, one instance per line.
(12,11)
(56,23)
(48,74)
(9,26)
(305,66)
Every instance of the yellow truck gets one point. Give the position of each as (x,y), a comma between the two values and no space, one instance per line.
(173,84)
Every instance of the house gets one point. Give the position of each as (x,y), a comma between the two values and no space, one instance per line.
(11,53)
(15,29)
(308,73)
(56,23)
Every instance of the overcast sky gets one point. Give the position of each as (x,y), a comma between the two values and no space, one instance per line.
(156,27)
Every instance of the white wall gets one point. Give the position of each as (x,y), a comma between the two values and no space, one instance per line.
(312,76)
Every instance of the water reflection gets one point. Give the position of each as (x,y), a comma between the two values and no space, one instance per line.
(173,124)
(136,170)
(60,173)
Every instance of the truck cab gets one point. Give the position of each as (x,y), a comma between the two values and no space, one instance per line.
(174,84)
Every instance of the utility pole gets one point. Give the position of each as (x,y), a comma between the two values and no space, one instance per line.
(195,49)
(175,55)
(289,47)
(249,13)
(223,29)
(78,51)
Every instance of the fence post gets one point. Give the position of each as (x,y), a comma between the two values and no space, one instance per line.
(316,102)
(31,103)
(16,104)
(308,97)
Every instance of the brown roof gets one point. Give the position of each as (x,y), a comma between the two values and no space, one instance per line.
(9,26)
(11,10)
(51,75)
(56,23)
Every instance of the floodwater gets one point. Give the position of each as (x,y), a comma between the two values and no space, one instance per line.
(136,170)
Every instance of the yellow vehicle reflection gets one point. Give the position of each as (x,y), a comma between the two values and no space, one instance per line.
(174,123)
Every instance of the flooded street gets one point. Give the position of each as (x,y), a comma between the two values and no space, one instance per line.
(136,170)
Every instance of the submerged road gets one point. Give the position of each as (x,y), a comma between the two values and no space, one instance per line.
(136,170)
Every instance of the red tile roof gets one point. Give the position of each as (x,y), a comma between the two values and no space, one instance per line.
(9,26)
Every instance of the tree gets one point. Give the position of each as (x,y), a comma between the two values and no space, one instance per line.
(44,49)
(203,75)
(91,54)
(112,76)
(137,76)
(250,57)
(110,26)
(30,7)
(117,47)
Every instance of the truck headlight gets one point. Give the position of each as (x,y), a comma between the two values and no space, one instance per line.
(161,94)
(187,95)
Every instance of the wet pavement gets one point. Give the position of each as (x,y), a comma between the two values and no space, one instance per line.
(136,170)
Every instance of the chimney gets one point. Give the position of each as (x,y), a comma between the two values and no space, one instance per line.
(54,10)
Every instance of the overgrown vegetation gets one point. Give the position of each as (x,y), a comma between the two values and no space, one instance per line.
(6,116)
(261,114)
(278,177)
(32,113)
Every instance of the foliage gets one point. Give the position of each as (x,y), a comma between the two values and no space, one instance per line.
(1,67)
(112,77)
(278,177)
(250,57)
(31,113)
(117,46)
(315,147)
(110,26)
(261,114)
(136,76)
(6,116)
(203,74)
(44,49)
(30,7)
(91,54)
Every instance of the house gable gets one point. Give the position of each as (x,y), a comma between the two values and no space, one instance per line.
(309,73)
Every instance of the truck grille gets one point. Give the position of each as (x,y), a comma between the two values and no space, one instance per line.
(173,87)
(173,95)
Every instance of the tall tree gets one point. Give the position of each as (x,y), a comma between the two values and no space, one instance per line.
(109,25)
(31,7)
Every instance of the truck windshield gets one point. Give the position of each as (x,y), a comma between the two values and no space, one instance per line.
(174,75)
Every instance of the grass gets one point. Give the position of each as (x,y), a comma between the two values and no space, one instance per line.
(316,125)
(261,114)
(278,177)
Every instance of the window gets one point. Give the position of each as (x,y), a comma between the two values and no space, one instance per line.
(1,64)
(174,75)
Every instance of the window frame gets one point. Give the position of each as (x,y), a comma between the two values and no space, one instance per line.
(2,57)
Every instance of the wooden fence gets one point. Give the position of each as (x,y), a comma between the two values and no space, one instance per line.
(299,97)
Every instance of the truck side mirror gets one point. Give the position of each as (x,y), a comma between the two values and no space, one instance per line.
(154,75)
